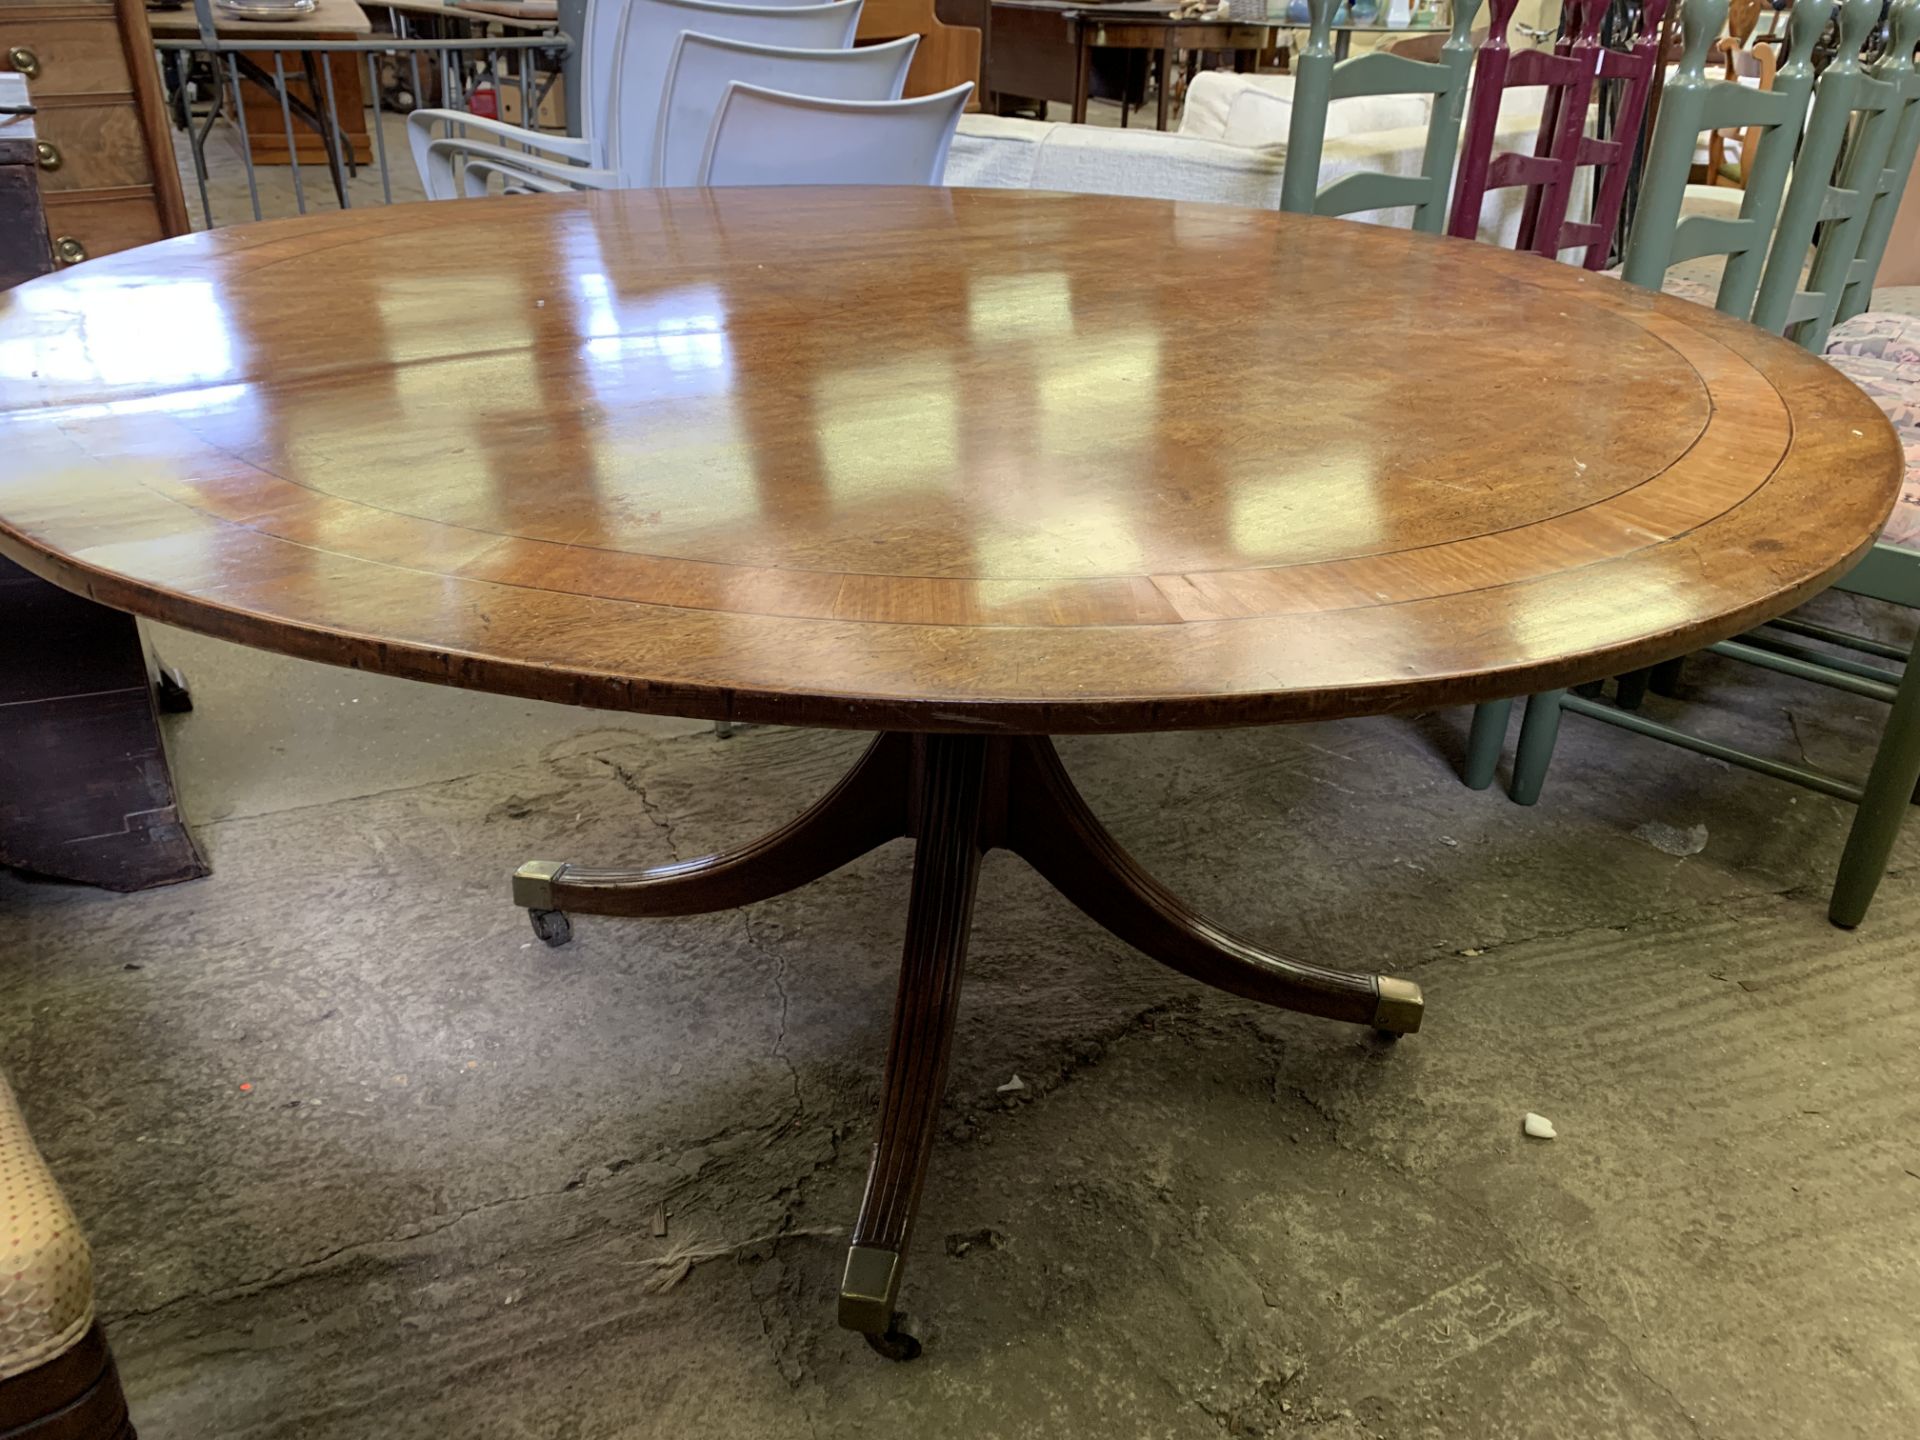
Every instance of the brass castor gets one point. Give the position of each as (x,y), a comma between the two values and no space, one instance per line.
(552,926)
(895,1343)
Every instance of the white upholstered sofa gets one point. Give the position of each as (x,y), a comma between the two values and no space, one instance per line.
(1230,148)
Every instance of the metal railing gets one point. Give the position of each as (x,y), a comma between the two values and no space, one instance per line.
(206,78)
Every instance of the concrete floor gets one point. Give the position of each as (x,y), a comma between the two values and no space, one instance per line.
(432,1212)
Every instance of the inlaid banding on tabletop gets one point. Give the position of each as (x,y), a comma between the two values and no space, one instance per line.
(601,451)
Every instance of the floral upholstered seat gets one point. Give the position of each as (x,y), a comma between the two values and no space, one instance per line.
(1881,334)
(1879,350)
(1895,387)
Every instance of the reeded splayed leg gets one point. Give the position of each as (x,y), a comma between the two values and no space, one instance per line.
(1051,828)
(861,813)
(946,869)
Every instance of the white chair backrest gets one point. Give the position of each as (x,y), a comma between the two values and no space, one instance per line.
(647,45)
(703,66)
(766,137)
(599,44)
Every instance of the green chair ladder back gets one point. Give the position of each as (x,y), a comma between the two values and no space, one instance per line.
(1660,238)
(1319,80)
(1836,178)
(1873,123)
(1898,68)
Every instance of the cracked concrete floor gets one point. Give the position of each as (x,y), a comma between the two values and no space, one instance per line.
(433,1212)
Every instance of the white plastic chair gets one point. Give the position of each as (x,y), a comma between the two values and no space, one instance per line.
(698,74)
(704,66)
(628,55)
(768,137)
(599,35)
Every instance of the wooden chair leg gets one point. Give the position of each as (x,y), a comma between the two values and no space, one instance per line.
(1539,729)
(946,870)
(1630,689)
(74,1396)
(1889,791)
(1664,678)
(1485,741)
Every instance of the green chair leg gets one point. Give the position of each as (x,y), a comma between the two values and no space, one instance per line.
(1485,741)
(1889,790)
(1538,731)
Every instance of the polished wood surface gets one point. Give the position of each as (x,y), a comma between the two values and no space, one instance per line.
(921,460)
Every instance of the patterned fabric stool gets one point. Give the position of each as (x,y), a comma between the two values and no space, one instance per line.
(57,1380)
(1895,387)
(1894,338)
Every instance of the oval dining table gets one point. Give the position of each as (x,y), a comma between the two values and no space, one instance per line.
(965,469)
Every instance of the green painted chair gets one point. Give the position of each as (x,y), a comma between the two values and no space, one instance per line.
(1662,237)
(1319,80)
(1898,68)
(1855,141)
(1838,177)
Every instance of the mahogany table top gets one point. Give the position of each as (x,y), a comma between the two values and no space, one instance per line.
(920,459)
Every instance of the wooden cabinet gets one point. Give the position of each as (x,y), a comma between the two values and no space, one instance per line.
(107,173)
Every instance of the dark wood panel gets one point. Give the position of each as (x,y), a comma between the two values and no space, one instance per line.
(85,793)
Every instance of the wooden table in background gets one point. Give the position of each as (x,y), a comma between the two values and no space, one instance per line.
(1043,49)
(266,127)
(1000,498)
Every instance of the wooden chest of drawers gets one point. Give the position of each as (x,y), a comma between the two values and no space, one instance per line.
(107,172)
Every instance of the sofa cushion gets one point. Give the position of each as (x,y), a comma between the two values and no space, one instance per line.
(1895,388)
(1102,161)
(995,152)
(1212,93)
(1261,117)
(1257,109)
(46,1272)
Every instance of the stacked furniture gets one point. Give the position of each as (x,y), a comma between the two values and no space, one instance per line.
(694,97)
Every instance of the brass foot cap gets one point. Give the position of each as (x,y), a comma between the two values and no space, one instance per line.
(533,884)
(1400,1006)
(868,1289)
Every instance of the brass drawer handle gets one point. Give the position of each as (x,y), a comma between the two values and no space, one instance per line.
(24,61)
(47,153)
(69,251)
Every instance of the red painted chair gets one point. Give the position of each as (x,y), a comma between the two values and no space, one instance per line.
(1569,73)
